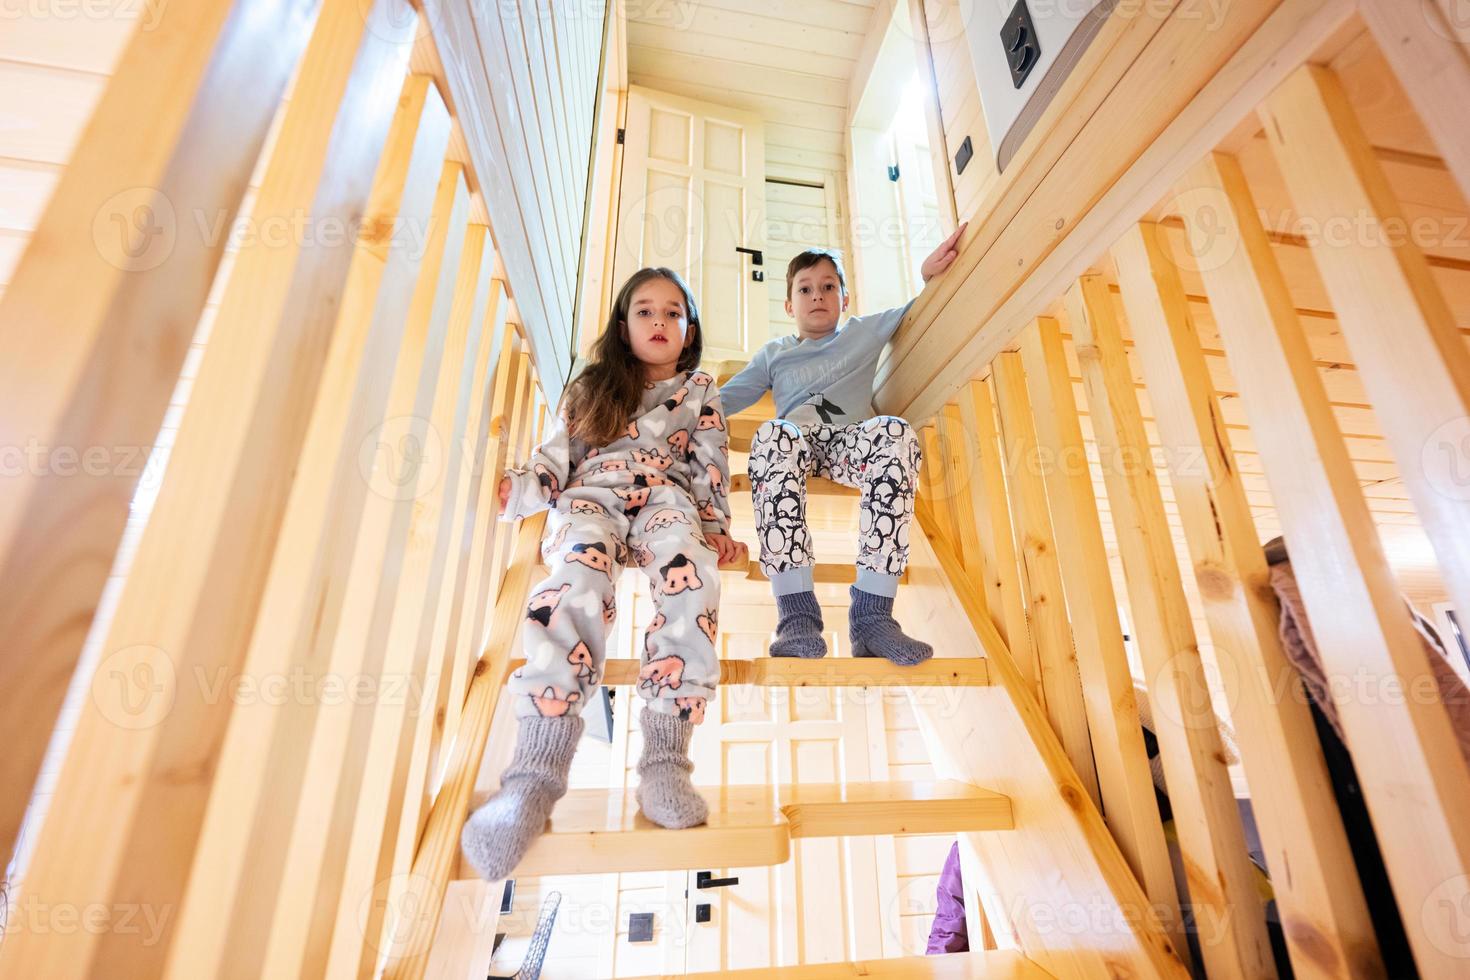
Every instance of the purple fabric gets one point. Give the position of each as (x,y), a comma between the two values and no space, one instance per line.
(949,934)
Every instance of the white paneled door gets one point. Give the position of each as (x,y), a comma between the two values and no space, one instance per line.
(692,197)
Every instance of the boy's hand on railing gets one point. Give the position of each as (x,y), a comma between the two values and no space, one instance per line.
(729,550)
(504,493)
(943,256)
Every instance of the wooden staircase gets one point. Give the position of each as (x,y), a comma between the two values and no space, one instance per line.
(752,826)
(1135,289)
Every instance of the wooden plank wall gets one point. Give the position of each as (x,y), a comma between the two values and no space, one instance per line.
(531,72)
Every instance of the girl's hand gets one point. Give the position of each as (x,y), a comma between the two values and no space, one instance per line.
(728,548)
(504,493)
(943,256)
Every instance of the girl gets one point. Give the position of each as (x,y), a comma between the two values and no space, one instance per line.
(635,469)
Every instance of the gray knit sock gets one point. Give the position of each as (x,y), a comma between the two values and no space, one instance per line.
(665,792)
(874,633)
(799,629)
(497,834)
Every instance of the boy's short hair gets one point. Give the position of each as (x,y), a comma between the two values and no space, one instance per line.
(809,258)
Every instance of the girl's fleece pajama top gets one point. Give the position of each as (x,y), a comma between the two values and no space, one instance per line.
(648,498)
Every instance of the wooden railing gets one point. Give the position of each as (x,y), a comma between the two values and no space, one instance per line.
(1009,478)
(292,667)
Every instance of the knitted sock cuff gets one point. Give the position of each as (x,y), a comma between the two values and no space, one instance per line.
(799,604)
(545,746)
(868,604)
(663,732)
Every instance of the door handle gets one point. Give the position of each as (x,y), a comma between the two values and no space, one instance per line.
(757,257)
(706,879)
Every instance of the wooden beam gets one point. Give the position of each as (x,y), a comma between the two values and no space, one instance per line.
(1301,834)
(95,325)
(1404,339)
(201,576)
(1404,749)
(964,481)
(982,456)
(422,890)
(816,486)
(934,478)
(1428,46)
(1061,684)
(1222,886)
(1123,772)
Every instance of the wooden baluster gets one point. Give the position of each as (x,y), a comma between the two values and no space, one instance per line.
(993,525)
(351,771)
(1291,796)
(1123,771)
(422,897)
(1404,748)
(480,589)
(278,749)
(1428,46)
(96,322)
(936,479)
(1222,893)
(1047,609)
(964,489)
(389,830)
(184,623)
(1405,343)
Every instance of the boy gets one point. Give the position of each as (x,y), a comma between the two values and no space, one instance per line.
(822,380)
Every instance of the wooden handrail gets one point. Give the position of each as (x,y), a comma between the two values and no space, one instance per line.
(438,851)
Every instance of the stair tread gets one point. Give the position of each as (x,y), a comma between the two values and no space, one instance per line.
(1001,964)
(816,486)
(602,830)
(827,672)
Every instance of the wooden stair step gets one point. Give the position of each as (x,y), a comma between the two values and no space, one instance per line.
(750,569)
(1001,964)
(597,831)
(816,486)
(827,672)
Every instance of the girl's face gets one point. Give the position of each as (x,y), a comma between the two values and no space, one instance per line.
(658,327)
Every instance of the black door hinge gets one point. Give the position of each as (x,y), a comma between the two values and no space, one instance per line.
(621,134)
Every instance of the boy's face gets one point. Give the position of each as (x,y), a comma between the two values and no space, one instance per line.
(658,327)
(817,300)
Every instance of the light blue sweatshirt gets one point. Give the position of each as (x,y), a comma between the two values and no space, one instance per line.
(825,380)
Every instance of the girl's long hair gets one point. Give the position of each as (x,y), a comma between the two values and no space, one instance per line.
(606,395)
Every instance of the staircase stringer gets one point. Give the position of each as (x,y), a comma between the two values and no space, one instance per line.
(1057,886)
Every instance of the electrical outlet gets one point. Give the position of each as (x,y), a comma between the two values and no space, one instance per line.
(1022,46)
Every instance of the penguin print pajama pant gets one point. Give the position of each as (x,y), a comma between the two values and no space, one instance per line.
(591,533)
(880,456)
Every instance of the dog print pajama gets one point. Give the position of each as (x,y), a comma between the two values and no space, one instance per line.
(646,499)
